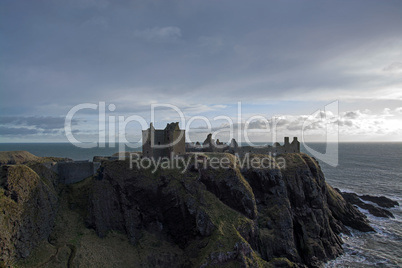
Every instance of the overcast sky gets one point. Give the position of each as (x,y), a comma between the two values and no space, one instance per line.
(287,58)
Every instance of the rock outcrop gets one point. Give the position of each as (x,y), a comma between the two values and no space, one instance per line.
(232,215)
(28,207)
(374,210)
(382,201)
(243,215)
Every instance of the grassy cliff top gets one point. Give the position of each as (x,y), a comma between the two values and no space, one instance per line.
(16,157)
(23,157)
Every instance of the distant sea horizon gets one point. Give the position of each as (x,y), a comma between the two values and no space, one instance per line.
(228,142)
(70,150)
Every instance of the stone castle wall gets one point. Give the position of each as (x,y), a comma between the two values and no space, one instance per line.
(72,172)
(209,145)
(152,138)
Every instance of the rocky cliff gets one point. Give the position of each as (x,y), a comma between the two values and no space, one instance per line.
(28,207)
(201,217)
(247,216)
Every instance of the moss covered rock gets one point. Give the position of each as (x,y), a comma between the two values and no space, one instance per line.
(16,157)
(28,206)
(24,157)
(229,215)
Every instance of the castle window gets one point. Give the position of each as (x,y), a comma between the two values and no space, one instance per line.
(159,143)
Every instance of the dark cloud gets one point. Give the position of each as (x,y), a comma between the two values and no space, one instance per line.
(395,66)
(259,124)
(195,54)
(66,53)
(352,114)
(10,131)
(40,122)
(163,34)
(347,123)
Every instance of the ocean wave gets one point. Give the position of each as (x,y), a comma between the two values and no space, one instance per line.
(379,249)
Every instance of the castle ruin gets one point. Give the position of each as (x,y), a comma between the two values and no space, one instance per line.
(171,141)
(166,142)
(209,145)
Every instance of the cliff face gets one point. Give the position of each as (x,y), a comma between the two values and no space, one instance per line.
(247,216)
(28,206)
(201,217)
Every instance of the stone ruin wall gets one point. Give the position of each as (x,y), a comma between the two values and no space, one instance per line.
(73,171)
(209,145)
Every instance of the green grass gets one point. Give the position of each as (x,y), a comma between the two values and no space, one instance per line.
(16,157)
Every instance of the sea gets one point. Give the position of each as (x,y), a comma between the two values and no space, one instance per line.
(373,169)
(363,168)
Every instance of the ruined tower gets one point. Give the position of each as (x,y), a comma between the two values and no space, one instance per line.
(163,142)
